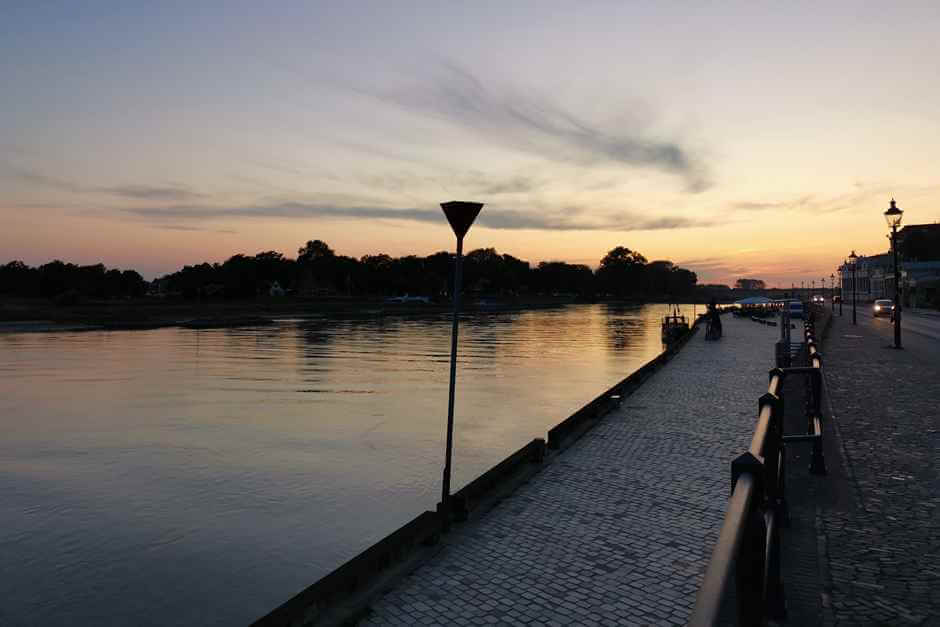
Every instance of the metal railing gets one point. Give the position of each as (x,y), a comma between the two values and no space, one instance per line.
(748,545)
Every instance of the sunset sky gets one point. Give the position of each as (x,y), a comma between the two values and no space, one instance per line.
(736,139)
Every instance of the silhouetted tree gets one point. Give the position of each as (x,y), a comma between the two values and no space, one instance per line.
(750,284)
(621,272)
(318,270)
(558,277)
(313,251)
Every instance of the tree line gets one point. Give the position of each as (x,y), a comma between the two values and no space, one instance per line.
(68,281)
(319,271)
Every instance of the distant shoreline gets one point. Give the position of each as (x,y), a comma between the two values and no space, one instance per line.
(34,315)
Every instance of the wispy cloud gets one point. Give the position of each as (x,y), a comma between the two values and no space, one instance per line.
(572,219)
(543,127)
(803,202)
(717,266)
(167,193)
(473,182)
(860,195)
(186,227)
(150,192)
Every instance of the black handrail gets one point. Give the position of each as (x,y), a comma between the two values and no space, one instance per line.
(749,542)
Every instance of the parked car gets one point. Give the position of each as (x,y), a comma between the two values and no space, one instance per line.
(882,307)
(837,299)
(795,308)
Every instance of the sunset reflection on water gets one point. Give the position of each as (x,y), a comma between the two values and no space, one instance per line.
(203,477)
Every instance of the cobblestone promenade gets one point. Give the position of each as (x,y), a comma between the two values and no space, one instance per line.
(883,544)
(618,529)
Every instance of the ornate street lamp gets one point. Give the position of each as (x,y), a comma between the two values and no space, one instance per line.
(852,261)
(841,286)
(460,215)
(832,292)
(893,218)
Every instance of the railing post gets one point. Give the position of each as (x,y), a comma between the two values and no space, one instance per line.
(782,354)
(772,449)
(749,562)
(780,505)
(817,463)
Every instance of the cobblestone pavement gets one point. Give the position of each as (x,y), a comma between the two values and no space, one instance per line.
(618,529)
(883,551)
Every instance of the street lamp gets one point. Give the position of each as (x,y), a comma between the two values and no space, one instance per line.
(852,261)
(832,292)
(461,215)
(841,286)
(893,218)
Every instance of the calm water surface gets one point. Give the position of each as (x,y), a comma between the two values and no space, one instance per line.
(203,477)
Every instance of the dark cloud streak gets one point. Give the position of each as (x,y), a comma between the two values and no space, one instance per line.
(169,193)
(545,128)
(570,220)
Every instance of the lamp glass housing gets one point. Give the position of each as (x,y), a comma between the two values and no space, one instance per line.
(893,215)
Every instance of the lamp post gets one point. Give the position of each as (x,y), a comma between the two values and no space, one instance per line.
(853,260)
(461,215)
(893,218)
(832,292)
(841,286)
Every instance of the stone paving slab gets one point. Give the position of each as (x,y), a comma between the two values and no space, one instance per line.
(619,528)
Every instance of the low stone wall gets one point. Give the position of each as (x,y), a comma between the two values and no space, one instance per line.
(466,499)
(328,600)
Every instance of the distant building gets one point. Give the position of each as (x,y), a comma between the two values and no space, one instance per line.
(921,283)
(870,276)
(920,280)
(917,229)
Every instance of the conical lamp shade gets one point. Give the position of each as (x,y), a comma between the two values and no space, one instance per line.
(461,215)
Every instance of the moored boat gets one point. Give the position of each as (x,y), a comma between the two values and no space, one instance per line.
(674,326)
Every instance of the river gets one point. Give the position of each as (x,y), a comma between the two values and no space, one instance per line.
(191,477)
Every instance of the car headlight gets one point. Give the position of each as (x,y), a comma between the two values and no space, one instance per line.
(877,307)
